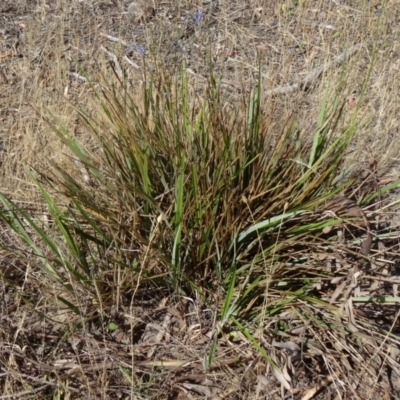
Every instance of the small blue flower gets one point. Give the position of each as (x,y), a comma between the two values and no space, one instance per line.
(199,16)
(141,50)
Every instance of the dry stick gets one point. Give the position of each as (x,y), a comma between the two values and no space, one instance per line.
(114,39)
(131,63)
(77,76)
(315,73)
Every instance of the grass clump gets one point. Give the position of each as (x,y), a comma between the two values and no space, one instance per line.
(180,198)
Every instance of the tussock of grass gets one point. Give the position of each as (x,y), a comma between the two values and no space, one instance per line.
(182,198)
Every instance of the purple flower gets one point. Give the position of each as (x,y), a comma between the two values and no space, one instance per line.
(199,16)
(141,50)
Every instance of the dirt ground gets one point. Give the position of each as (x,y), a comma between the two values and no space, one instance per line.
(47,48)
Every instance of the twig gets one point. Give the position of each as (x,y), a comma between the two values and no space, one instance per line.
(315,73)
(131,63)
(78,76)
(114,39)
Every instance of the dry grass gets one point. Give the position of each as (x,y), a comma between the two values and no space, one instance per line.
(44,49)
